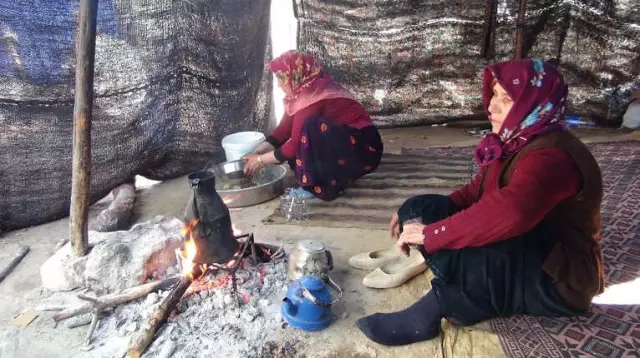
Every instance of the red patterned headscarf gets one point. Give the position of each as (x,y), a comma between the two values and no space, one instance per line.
(539,98)
(307,83)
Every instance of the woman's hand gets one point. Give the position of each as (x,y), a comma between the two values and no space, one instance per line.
(394,226)
(252,163)
(411,235)
(264,147)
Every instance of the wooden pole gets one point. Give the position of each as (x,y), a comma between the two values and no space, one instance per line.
(522,9)
(81,167)
(489,30)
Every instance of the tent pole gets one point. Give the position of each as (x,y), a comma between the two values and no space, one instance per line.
(81,167)
(489,30)
(522,9)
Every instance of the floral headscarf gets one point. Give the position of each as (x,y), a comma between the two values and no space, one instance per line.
(539,95)
(307,83)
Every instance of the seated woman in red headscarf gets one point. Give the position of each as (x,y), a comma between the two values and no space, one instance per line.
(523,236)
(326,136)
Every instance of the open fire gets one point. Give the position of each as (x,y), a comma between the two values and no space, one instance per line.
(196,276)
(247,248)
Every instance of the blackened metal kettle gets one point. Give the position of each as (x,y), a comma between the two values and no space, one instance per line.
(212,233)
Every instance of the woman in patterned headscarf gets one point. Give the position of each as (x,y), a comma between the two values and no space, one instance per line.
(523,236)
(326,135)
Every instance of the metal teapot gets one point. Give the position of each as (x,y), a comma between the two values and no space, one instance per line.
(309,258)
(307,305)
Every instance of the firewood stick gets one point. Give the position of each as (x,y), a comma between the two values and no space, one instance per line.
(116,299)
(24,250)
(81,321)
(46,308)
(98,307)
(144,337)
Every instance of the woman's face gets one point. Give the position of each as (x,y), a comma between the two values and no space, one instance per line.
(499,107)
(283,87)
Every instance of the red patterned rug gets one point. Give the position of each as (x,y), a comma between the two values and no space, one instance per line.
(610,330)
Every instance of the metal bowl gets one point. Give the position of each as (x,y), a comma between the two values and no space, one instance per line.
(228,171)
(232,173)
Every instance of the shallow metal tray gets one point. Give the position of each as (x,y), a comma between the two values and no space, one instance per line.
(232,172)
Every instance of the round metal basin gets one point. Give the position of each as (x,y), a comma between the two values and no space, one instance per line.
(268,183)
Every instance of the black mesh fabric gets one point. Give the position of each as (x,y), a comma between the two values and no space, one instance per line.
(171,79)
(420,61)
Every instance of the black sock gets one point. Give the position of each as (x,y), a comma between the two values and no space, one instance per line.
(420,322)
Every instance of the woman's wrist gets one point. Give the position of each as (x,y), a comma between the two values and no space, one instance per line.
(267,158)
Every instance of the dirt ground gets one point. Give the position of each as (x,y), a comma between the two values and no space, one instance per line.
(20,291)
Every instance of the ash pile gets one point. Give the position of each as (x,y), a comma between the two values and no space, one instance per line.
(210,321)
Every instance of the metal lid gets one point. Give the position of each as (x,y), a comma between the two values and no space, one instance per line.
(311,246)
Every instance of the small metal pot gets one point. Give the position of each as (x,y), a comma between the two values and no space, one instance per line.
(309,258)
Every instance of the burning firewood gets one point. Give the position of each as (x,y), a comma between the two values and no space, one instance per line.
(99,304)
(144,337)
(190,271)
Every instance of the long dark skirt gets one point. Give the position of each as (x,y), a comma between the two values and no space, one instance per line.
(331,157)
(497,280)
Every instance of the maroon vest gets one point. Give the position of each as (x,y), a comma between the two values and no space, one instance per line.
(575,262)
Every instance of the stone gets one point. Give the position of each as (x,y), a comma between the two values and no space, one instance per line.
(171,270)
(151,299)
(132,327)
(228,300)
(86,348)
(122,331)
(65,272)
(195,299)
(219,302)
(117,260)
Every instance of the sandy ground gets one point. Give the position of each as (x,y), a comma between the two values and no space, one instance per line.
(20,291)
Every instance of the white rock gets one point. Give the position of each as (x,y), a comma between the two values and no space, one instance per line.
(195,299)
(117,260)
(228,300)
(65,272)
(151,299)
(122,331)
(131,327)
(171,270)
(167,350)
(263,303)
(219,302)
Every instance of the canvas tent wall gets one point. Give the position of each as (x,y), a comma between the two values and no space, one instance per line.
(420,61)
(171,79)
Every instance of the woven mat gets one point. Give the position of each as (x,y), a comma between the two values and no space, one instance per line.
(371,201)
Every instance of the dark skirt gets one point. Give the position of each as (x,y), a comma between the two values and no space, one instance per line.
(497,280)
(331,157)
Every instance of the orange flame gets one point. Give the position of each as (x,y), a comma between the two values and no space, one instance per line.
(190,250)
(236,232)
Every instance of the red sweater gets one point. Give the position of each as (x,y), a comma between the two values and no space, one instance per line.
(542,179)
(340,111)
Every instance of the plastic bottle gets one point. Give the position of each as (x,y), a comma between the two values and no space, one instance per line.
(577,122)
